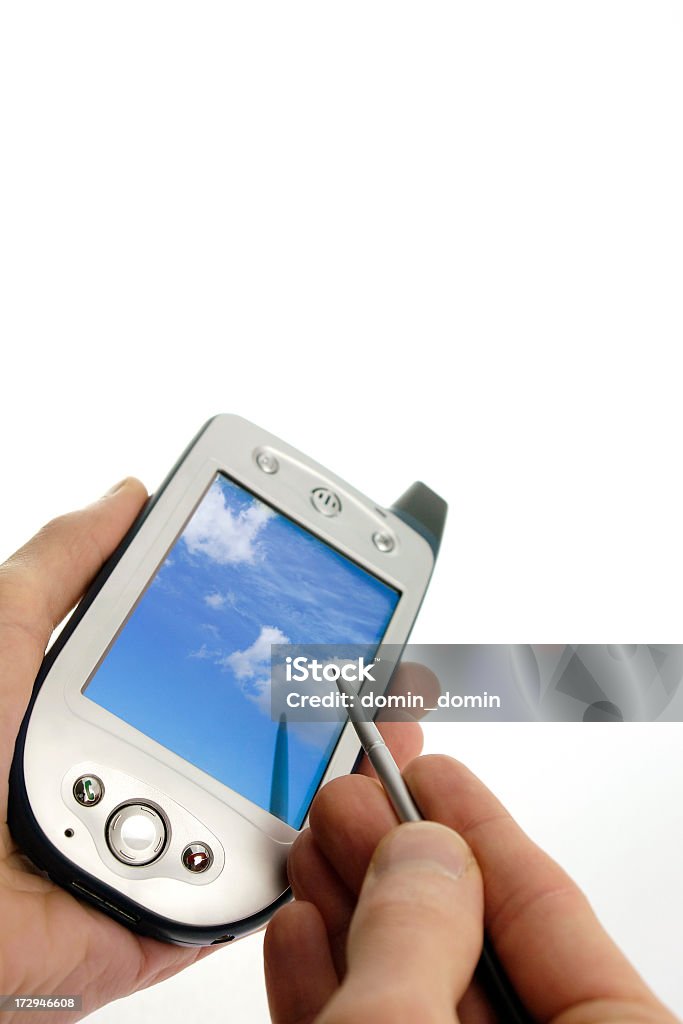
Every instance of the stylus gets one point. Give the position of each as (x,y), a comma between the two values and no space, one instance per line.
(489,971)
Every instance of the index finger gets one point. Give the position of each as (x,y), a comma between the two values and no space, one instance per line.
(403,735)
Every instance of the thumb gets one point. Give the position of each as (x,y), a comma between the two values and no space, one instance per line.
(41,583)
(417,932)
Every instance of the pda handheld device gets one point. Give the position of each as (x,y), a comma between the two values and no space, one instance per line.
(149,777)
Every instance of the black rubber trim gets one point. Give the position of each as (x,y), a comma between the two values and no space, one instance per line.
(425,511)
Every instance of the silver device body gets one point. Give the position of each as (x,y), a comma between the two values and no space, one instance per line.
(68,736)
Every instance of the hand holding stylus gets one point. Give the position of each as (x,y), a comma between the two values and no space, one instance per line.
(388,922)
(490,974)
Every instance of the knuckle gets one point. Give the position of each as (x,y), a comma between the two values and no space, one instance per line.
(446,771)
(299,859)
(398,1003)
(327,800)
(17,589)
(74,534)
(441,763)
(55,526)
(409,893)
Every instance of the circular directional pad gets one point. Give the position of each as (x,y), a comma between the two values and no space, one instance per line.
(136,834)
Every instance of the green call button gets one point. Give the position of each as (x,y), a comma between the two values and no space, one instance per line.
(88,790)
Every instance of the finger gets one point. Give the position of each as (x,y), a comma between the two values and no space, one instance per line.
(416,683)
(348,818)
(42,582)
(311,875)
(404,739)
(416,934)
(300,976)
(313,879)
(475,1007)
(404,736)
(546,935)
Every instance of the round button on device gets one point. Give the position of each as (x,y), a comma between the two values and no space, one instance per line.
(384,542)
(267,462)
(326,501)
(88,790)
(136,834)
(197,857)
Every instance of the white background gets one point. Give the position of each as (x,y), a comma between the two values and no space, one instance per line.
(438,241)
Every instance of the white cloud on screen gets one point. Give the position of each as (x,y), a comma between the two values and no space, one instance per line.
(251,668)
(216,600)
(224,536)
(252,665)
(203,653)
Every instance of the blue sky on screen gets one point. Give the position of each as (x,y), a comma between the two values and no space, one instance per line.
(191,667)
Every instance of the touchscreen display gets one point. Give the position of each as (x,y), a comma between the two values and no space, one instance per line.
(191,666)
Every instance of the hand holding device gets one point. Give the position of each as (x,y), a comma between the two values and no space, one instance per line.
(52,943)
(388,922)
(149,776)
